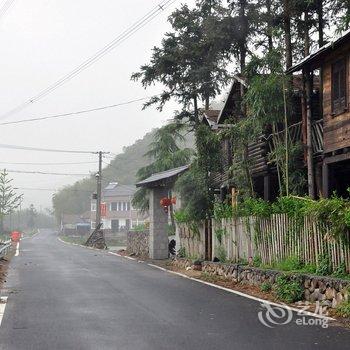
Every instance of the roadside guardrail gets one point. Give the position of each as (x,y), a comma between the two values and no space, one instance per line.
(4,248)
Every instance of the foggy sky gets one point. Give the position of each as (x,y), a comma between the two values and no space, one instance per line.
(41,41)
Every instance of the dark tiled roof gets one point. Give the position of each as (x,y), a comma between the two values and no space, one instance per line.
(332,45)
(114,189)
(157,178)
(210,116)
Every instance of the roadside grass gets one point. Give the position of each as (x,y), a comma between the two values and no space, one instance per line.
(294,265)
(115,242)
(74,239)
(29,233)
(343,309)
(4,238)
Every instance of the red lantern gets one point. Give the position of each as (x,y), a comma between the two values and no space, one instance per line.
(166,202)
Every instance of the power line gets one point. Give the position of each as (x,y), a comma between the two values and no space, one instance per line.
(67,163)
(77,113)
(43,173)
(44,149)
(5,7)
(87,63)
(47,189)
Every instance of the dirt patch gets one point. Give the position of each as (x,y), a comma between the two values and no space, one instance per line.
(4,263)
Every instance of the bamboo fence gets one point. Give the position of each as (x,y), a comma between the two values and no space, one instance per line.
(277,238)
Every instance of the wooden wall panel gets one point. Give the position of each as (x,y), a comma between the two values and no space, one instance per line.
(336,127)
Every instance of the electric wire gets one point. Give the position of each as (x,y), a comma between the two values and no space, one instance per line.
(76,113)
(47,189)
(25,148)
(97,56)
(63,163)
(5,7)
(43,173)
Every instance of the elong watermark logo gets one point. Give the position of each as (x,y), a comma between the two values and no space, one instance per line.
(272,316)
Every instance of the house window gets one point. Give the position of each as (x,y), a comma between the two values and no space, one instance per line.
(93,206)
(339,86)
(93,225)
(128,206)
(114,206)
(115,225)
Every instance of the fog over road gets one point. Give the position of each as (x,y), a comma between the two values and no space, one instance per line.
(68,297)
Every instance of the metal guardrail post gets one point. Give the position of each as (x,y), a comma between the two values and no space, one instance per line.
(4,249)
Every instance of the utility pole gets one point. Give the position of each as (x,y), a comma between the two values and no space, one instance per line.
(97,239)
(99,189)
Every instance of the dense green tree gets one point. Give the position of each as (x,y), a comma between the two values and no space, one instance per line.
(191,61)
(165,153)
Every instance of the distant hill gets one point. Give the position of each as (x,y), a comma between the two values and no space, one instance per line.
(75,199)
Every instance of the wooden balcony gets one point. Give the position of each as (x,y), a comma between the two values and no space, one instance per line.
(258,151)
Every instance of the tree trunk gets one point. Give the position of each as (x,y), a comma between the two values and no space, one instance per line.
(310,165)
(320,22)
(306,33)
(1,224)
(207,103)
(195,107)
(287,33)
(269,25)
(286,137)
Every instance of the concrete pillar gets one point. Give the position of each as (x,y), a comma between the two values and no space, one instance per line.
(158,238)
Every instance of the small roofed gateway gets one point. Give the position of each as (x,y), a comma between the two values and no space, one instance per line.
(160,186)
(331,63)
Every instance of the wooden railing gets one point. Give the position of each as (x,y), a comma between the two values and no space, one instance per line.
(258,151)
(317,136)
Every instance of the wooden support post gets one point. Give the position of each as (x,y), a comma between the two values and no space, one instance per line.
(234,194)
(325,179)
(267,186)
(310,165)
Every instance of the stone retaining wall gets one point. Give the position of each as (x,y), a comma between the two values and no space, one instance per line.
(138,243)
(329,291)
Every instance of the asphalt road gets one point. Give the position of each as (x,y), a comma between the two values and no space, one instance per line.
(68,297)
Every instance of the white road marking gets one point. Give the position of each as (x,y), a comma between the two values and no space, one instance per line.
(38,231)
(17,249)
(3,301)
(129,257)
(116,254)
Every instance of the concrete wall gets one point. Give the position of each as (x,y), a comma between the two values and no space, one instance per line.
(158,239)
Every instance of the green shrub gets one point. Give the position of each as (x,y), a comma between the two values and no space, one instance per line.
(340,271)
(292,263)
(309,268)
(139,228)
(257,262)
(221,253)
(265,287)
(343,309)
(288,290)
(294,207)
(182,252)
(324,266)
(222,211)
(253,206)
(219,233)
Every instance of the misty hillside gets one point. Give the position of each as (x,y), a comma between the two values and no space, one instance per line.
(75,199)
